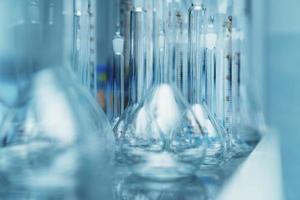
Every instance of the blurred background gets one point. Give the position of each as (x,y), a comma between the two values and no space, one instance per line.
(282,72)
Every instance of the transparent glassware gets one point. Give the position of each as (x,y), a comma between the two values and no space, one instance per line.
(161,138)
(248,122)
(137,69)
(198,86)
(84,43)
(228,84)
(119,77)
(55,141)
(180,73)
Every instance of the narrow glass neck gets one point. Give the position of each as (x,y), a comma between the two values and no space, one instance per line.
(196,63)
(137,54)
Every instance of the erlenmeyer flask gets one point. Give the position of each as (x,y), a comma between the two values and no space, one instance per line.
(54,139)
(198,68)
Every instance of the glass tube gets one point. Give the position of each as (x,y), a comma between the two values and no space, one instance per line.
(181,48)
(211,38)
(196,52)
(137,52)
(211,70)
(119,77)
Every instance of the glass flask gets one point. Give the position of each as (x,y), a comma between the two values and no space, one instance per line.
(161,138)
(55,141)
(199,50)
(138,64)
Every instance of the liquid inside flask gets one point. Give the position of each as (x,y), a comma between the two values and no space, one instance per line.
(55,141)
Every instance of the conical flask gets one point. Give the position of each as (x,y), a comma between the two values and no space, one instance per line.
(199,54)
(55,141)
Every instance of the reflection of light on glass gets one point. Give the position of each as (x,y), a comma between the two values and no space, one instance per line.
(211,40)
(141,123)
(167,112)
(222,6)
(118,44)
(162,160)
(199,113)
(53,109)
(210,128)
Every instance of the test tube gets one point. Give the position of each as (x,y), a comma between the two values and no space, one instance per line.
(137,51)
(196,31)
